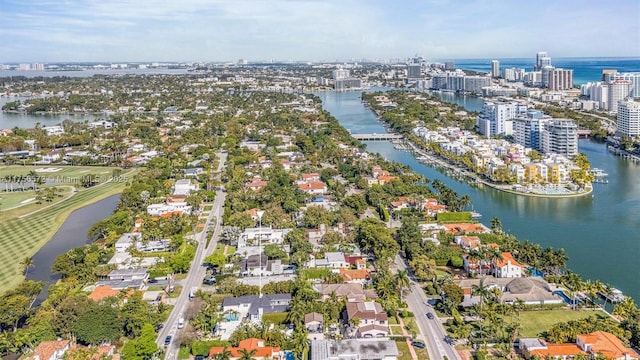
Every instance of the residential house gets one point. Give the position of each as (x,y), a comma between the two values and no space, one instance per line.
(468,243)
(607,344)
(332,260)
(98,352)
(355,276)
(371,319)
(352,292)
(51,156)
(193,172)
(313,188)
(260,351)
(255,184)
(184,187)
(465,228)
(354,349)
(595,343)
(126,241)
(264,235)
(50,350)
(129,274)
(314,322)
(506,266)
(253,307)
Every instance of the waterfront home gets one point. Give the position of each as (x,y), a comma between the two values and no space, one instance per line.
(129,274)
(168,209)
(531,290)
(126,241)
(465,228)
(252,345)
(361,349)
(506,266)
(253,307)
(50,350)
(51,156)
(368,318)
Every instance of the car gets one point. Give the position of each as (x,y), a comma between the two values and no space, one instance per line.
(159,326)
(199,357)
(167,340)
(430,316)
(418,344)
(209,281)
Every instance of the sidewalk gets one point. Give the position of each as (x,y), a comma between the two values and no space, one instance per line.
(414,356)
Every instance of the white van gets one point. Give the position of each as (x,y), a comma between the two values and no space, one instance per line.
(180,323)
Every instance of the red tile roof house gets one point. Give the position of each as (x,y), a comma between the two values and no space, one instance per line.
(372,319)
(313,187)
(262,351)
(256,184)
(50,350)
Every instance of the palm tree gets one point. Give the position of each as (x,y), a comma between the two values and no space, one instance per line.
(26,263)
(225,354)
(246,354)
(402,281)
(496,225)
(482,291)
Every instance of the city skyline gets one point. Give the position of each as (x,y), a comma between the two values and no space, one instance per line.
(314,30)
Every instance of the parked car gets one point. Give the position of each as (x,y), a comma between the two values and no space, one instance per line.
(159,326)
(430,316)
(418,344)
(209,281)
(167,340)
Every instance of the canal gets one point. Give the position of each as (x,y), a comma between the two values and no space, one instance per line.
(72,234)
(599,232)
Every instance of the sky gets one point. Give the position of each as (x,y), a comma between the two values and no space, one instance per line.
(313,30)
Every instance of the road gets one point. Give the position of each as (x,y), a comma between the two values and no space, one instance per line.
(196,272)
(432,330)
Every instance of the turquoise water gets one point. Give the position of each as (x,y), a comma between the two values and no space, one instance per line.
(599,233)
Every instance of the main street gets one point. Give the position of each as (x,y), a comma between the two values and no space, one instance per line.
(432,330)
(196,272)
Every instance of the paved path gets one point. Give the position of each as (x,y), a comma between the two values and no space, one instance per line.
(414,356)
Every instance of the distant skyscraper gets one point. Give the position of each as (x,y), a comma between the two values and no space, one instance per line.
(628,118)
(539,57)
(449,65)
(414,71)
(634,78)
(24,67)
(495,68)
(546,71)
(618,90)
(560,136)
(37,66)
(340,74)
(560,79)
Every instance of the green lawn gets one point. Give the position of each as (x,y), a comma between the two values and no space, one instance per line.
(535,322)
(22,237)
(403,349)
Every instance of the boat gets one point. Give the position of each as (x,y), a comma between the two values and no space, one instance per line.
(599,176)
(614,296)
(475,215)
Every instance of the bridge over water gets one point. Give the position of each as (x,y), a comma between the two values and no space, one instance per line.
(377,137)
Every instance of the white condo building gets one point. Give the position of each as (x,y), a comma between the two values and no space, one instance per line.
(495,68)
(633,78)
(560,136)
(495,117)
(618,90)
(628,118)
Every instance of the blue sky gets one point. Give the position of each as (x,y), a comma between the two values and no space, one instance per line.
(227,30)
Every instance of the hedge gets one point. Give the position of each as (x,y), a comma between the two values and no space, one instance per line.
(275,318)
(463,216)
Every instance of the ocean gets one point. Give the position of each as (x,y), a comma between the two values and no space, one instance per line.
(584,69)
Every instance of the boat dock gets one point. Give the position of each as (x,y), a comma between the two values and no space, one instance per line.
(377,137)
(599,176)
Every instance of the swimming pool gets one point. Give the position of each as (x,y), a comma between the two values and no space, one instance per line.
(552,192)
(566,298)
(535,272)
